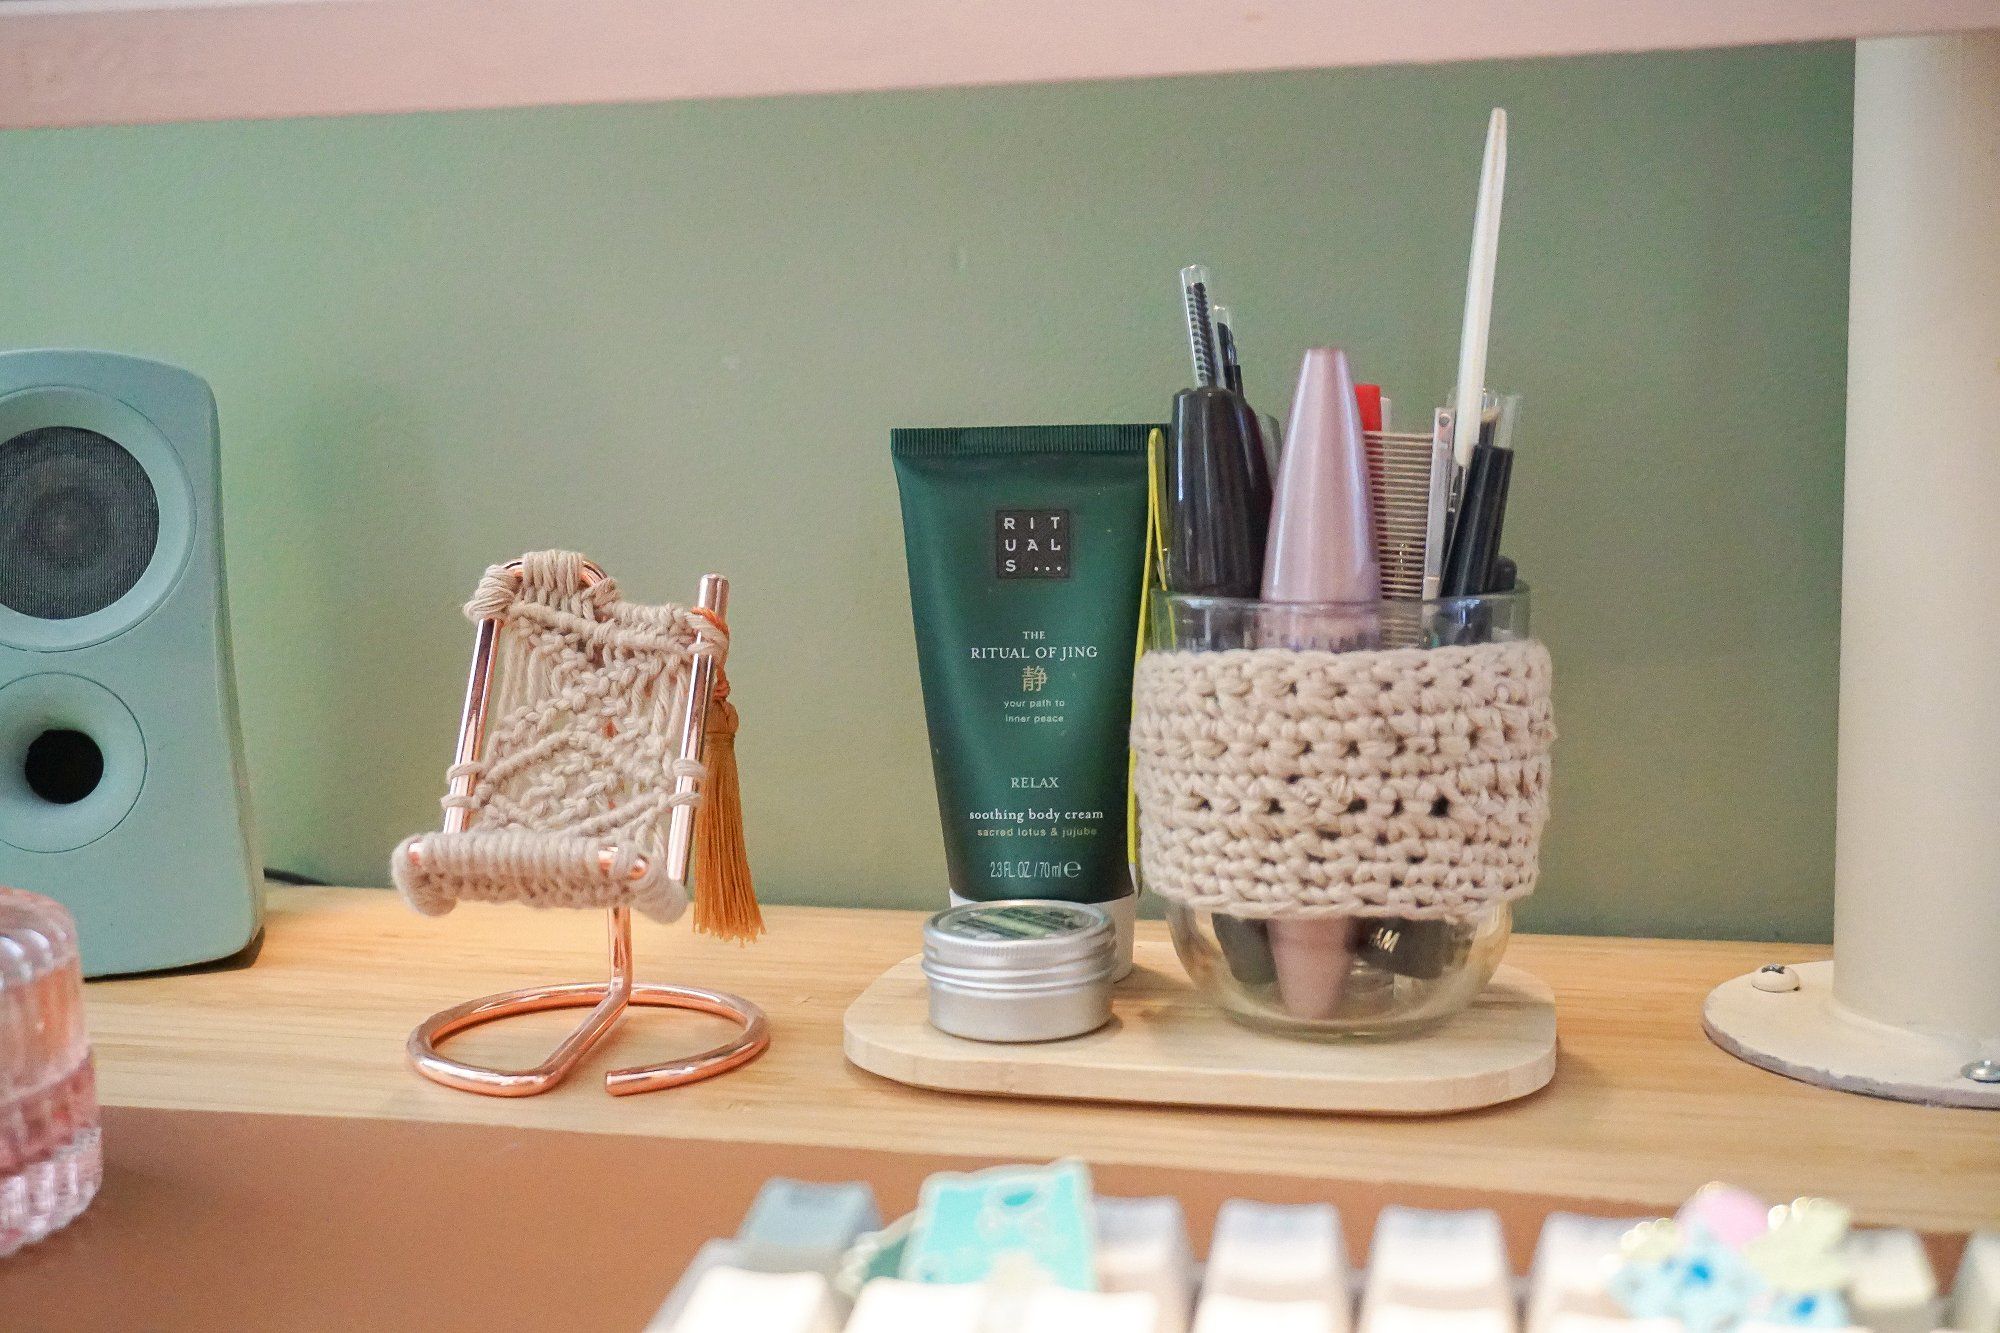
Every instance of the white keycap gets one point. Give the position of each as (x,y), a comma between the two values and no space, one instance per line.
(714,1254)
(1573,1259)
(1893,1290)
(729,1300)
(1565,1321)
(1059,1310)
(1280,1252)
(1142,1245)
(891,1305)
(1221,1313)
(1427,1266)
(1391,1318)
(801,1226)
(1975,1297)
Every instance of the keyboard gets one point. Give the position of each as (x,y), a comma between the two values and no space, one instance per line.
(816,1258)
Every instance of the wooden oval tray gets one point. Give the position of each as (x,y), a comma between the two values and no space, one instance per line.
(1165,1044)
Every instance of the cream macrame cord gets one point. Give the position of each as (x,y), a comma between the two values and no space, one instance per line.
(580,751)
(1281,783)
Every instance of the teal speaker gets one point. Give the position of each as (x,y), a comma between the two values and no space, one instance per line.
(122,786)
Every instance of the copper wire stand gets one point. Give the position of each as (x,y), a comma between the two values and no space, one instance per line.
(607,1000)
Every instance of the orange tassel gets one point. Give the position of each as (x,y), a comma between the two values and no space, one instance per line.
(725,901)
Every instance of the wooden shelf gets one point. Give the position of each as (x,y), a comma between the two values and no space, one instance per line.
(1642,1109)
(79,62)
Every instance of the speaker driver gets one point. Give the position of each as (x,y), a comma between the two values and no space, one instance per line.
(79,521)
(72,762)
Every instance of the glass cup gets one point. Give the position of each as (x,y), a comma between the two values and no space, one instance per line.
(50,1156)
(1342,976)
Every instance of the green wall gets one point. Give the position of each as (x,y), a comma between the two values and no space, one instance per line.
(676,337)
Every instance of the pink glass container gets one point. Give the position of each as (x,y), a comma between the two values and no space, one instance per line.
(50,1160)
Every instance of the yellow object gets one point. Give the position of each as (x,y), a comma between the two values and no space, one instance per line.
(1155,576)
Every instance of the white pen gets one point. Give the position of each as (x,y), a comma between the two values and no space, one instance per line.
(1479,291)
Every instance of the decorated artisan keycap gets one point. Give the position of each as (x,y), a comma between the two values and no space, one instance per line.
(1728,1215)
(1801,1258)
(966,1224)
(1725,1260)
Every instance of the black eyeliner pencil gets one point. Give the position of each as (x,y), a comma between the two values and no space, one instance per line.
(1254,427)
(1225,343)
(1472,554)
(1471,560)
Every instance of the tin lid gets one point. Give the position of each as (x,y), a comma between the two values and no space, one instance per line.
(1018,935)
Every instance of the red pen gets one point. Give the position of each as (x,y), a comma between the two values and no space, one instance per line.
(1369,397)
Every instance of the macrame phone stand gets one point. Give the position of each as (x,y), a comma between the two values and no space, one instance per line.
(607,1000)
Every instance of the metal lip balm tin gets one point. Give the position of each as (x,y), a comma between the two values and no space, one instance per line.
(1023,969)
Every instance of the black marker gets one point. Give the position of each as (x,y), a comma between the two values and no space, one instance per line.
(1472,557)
(1215,520)
(1218,483)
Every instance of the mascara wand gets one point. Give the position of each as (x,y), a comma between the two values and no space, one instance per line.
(1201,328)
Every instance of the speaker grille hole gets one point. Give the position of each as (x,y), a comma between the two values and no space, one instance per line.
(63,766)
(78,522)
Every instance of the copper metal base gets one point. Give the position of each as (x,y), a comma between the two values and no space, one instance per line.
(609,1005)
(607,1001)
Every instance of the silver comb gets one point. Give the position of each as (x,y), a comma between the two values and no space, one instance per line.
(1409,485)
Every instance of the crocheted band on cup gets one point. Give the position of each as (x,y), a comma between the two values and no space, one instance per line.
(1278,783)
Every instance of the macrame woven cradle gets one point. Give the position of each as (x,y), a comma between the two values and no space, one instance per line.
(1280,783)
(579,756)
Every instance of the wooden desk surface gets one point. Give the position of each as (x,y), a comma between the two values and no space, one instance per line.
(1642,1110)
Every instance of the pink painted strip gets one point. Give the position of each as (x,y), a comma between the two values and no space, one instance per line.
(65,64)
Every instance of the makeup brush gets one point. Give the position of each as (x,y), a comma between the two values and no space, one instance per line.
(1479,291)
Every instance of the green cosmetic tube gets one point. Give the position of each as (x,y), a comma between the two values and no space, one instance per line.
(1026,550)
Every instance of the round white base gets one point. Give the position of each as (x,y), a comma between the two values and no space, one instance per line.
(1804,1034)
